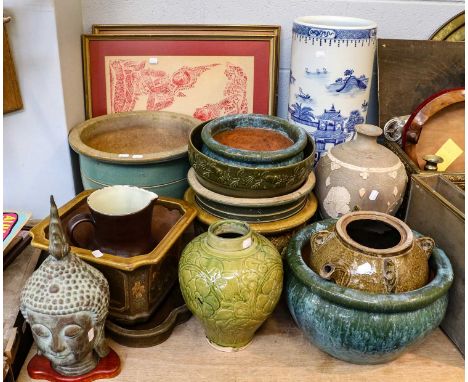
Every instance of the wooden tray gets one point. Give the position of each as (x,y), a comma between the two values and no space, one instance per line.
(437,126)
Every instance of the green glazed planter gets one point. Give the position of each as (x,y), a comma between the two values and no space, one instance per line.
(146,149)
(356,326)
(231,279)
(248,182)
(250,158)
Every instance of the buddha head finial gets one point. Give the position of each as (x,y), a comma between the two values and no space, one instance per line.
(58,245)
(66,302)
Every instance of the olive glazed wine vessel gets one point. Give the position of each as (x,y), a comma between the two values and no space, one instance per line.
(356,326)
(251,158)
(373,252)
(231,279)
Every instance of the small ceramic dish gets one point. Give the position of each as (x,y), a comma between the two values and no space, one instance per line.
(258,131)
(248,182)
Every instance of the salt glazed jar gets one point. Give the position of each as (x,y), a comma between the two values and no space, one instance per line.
(231,279)
(360,175)
(371,251)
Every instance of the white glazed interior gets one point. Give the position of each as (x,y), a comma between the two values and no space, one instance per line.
(120,200)
(336,22)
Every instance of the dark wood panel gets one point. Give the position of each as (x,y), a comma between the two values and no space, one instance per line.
(412,70)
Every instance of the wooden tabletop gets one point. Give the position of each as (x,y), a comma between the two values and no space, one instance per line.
(279,352)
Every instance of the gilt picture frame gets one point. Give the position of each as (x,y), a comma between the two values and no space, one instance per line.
(205,71)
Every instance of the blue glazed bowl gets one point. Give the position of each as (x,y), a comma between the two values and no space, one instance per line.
(250,158)
(360,327)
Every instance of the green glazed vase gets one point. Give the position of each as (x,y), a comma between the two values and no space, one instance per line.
(231,279)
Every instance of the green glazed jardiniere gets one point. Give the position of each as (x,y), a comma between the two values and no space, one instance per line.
(231,279)
(357,326)
(248,182)
(373,252)
(253,158)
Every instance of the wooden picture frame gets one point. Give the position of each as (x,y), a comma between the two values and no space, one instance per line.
(11,92)
(201,70)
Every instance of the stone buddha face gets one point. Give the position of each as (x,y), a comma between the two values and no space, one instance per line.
(66,340)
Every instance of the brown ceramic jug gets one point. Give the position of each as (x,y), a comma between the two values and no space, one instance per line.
(121,216)
(373,252)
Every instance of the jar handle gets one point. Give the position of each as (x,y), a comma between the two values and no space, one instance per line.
(426,244)
(336,271)
(319,238)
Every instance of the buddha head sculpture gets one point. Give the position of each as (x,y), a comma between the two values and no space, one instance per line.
(66,302)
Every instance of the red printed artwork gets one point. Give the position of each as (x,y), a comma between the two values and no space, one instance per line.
(235,97)
(204,91)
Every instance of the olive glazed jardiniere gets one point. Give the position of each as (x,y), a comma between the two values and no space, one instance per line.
(360,174)
(231,279)
(357,326)
(373,252)
(247,182)
(251,139)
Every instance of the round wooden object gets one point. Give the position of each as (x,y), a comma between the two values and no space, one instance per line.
(438,121)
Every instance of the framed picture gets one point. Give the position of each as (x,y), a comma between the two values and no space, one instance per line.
(205,71)
(11,92)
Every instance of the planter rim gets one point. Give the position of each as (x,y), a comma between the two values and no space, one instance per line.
(231,121)
(336,22)
(77,144)
(248,169)
(127,264)
(406,235)
(371,302)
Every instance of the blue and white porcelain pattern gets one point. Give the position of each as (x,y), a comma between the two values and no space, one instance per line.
(332,59)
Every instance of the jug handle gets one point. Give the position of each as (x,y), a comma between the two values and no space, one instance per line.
(319,238)
(427,244)
(336,271)
(74,222)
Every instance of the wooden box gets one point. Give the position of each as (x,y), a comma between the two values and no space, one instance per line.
(436,208)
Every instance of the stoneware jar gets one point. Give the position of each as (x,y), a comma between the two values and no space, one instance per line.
(357,326)
(330,80)
(360,174)
(371,251)
(253,140)
(231,279)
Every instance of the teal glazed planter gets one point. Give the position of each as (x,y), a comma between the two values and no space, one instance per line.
(360,327)
(143,149)
(250,158)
